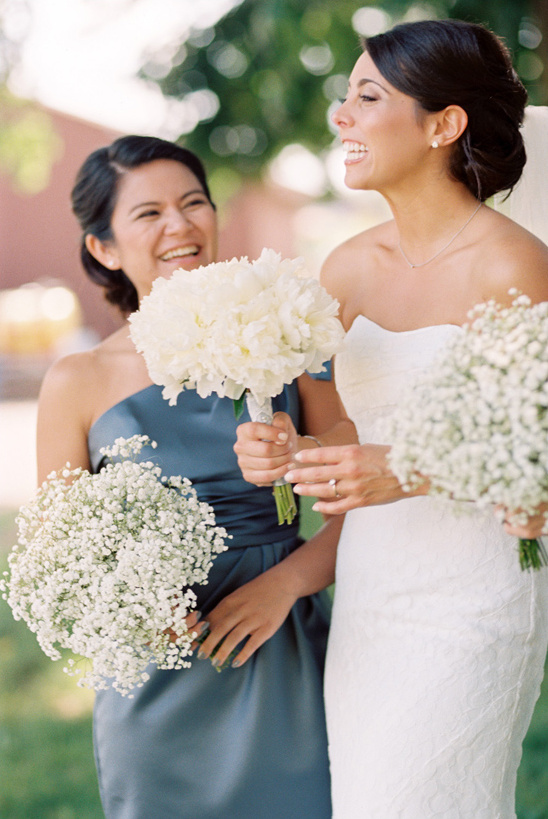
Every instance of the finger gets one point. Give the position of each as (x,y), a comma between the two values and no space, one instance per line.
(229,644)
(199,630)
(256,431)
(254,642)
(261,448)
(323,490)
(337,507)
(192,619)
(312,474)
(263,456)
(320,455)
(282,423)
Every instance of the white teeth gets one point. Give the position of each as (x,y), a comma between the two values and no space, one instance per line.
(355,150)
(189,250)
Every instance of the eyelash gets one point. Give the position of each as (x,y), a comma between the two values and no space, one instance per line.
(363,97)
(191,204)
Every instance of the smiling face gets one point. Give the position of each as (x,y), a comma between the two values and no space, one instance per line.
(162,220)
(386,136)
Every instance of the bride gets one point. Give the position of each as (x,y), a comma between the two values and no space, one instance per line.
(438,639)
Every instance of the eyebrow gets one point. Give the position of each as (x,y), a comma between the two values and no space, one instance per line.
(366,80)
(154,202)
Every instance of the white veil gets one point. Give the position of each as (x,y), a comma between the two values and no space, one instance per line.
(528,202)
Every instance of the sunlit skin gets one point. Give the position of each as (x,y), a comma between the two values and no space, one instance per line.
(389,143)
(162,221)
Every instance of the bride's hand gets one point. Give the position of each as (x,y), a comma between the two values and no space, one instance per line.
(536,524)
(253,613)
(345,477)
(265,452)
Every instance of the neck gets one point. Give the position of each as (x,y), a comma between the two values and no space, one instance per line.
(426,223)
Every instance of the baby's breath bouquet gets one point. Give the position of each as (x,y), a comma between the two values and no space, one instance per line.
(240,329)
(475,425)
(104,563)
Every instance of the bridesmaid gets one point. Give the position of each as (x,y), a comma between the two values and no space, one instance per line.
(250,742)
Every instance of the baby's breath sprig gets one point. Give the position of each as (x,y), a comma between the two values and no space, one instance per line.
(475,424)
(104,564)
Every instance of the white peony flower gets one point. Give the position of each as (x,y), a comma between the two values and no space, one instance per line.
(234,326)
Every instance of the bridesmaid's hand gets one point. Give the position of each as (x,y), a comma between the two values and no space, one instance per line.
(265,452)
(193,624)
(346,477)
(254,611)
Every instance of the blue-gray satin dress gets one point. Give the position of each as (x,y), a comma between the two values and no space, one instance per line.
(246,743)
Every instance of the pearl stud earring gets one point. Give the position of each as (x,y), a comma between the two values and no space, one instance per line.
(435,144)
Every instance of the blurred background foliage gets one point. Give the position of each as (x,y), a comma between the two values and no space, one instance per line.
(28,142)
(264,77)
(269,72)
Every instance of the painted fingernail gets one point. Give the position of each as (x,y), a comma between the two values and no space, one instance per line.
(201,654)
(236,664)
(215,662)
(201,628)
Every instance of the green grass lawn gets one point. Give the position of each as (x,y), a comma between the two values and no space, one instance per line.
(46,759)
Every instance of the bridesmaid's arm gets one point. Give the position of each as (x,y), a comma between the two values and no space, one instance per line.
(63,416)
(257,609)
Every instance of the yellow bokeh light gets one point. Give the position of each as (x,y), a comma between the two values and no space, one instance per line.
(35,317)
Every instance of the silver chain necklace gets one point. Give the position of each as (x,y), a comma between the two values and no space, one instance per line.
(435,256)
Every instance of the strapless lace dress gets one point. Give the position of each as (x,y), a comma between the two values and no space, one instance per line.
(438,639)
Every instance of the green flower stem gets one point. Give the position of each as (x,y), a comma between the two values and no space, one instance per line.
(286,505)
(532,554)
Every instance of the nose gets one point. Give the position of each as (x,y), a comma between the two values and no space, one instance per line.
(177,220)
(341,117)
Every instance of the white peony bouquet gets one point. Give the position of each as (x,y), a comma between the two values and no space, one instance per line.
(104,563)
(475,425)
(240,329)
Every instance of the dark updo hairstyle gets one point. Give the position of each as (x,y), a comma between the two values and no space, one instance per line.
(94,197)
(451,62)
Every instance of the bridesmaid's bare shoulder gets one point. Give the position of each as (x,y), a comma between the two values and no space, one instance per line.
(81,382)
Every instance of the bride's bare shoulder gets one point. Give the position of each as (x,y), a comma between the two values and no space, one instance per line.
(351,270)
(371,239)
(515,259)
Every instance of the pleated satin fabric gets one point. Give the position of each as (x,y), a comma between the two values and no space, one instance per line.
(246,743)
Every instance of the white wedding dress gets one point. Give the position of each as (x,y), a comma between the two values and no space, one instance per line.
(438,639)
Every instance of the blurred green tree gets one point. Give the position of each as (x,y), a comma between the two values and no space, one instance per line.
(266,74)
(28,142)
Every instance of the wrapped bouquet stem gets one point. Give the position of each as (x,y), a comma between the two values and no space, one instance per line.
(286,505)
(238,329)
(475,424)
